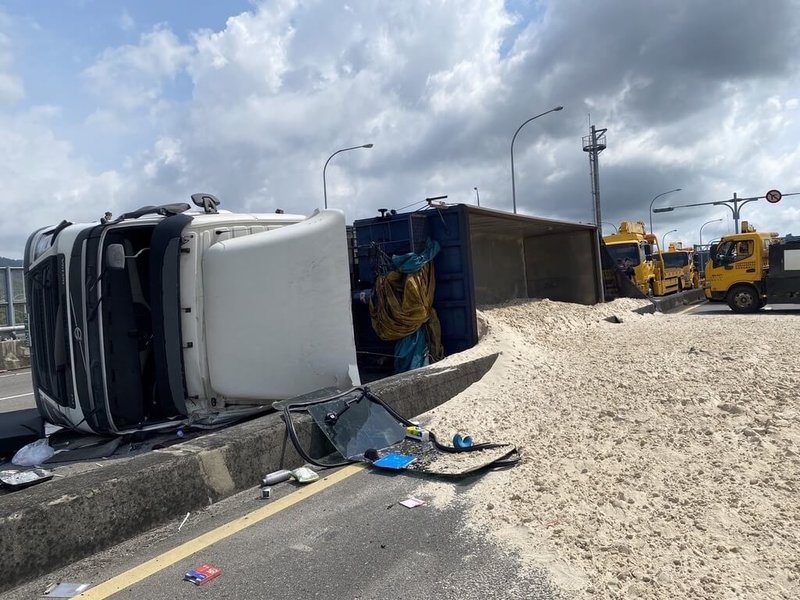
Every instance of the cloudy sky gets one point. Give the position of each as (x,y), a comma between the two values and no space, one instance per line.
(114,104)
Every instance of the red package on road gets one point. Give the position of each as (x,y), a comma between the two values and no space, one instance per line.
(202,574)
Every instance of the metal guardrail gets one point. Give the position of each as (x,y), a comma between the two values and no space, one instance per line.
(11,328)
(12,298)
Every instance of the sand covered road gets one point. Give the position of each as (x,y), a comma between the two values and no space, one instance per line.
(661,454)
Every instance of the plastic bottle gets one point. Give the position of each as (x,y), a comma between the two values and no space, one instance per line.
(276,477)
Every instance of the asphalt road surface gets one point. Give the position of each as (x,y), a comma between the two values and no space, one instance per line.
(350,540)
(720,308)
(16,391)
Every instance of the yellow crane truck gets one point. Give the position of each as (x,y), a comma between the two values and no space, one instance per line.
(754,268)
(637,252)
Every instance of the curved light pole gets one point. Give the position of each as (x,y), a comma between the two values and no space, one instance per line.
(706,223)
(664,239)
(324,183)
(656,198)
(477,196)
(513,184)
(607,223)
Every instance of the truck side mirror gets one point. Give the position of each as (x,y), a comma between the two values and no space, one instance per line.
(115,257)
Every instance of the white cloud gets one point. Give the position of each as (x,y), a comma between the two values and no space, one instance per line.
(126,21)
(130,77)
(439,87)
(44,183)
(11,88)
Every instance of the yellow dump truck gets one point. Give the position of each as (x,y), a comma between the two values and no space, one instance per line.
(636,252)
(754,268)
(677,256)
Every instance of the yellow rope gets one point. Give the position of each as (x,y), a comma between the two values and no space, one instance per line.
(404,304)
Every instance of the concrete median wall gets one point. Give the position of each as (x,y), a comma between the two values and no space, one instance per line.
(59,522)
(14,354)
(667,303)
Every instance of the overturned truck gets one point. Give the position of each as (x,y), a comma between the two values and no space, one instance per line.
(165,315)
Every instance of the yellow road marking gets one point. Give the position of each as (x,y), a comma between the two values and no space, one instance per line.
(153,566)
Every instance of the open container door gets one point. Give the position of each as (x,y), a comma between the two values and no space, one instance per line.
(277,311)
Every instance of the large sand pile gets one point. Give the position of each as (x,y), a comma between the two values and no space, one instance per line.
(661,454)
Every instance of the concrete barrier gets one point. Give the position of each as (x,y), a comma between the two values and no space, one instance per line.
(667,303)
(59,522)
(14,354)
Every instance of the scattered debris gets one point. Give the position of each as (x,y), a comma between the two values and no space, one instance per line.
(614,319)
(16,480)
(203,574)
(304,475)
(65,590)
(33,454)
(362,428)
(186,518)
(394,460)
(266,492)
(462,441)
(276,477)
(412,502)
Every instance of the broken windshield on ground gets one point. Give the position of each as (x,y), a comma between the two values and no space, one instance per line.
(353,424)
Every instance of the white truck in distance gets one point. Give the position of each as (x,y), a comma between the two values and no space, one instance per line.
(166,315)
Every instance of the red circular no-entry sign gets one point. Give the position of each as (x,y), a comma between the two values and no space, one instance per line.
(774,196)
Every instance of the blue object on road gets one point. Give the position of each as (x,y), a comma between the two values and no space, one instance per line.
(462,442)
(395,461)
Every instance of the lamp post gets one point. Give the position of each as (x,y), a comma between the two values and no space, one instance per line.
(477,196)
(607,223)
(706,223)
(656,198)
(664,239)
(513,183)
(324,182)
(734,204)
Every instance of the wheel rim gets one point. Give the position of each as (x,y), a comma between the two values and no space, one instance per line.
(743,299)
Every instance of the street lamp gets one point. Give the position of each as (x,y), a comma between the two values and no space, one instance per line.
(513,184)
(477,196)
(706,223)
(607,223)
(656,198)
(664,239)
(324,183)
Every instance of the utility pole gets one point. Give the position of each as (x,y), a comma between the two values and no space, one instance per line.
(734,204)
(594,144)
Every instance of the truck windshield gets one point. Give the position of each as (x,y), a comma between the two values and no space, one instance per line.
(619,252)
(675,260)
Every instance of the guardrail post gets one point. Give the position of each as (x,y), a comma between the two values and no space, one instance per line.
(9,297)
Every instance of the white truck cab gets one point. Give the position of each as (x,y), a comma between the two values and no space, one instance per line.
(167,316)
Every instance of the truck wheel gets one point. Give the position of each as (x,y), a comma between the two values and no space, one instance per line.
(744,299)
(680,285)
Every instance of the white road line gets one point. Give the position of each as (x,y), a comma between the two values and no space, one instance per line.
(17,396)
(14,374)
(687,309)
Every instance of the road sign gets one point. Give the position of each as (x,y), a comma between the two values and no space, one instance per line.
(774,196)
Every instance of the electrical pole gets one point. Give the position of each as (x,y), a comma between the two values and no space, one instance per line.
(594,144)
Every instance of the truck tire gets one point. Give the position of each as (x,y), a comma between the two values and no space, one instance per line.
(744,299)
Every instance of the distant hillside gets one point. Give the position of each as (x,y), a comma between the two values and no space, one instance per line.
(10,262)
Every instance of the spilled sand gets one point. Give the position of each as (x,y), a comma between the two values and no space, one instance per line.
(661,455)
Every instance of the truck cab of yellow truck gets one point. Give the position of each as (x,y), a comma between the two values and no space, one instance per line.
(753,268)
(638,253)
(679,260)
